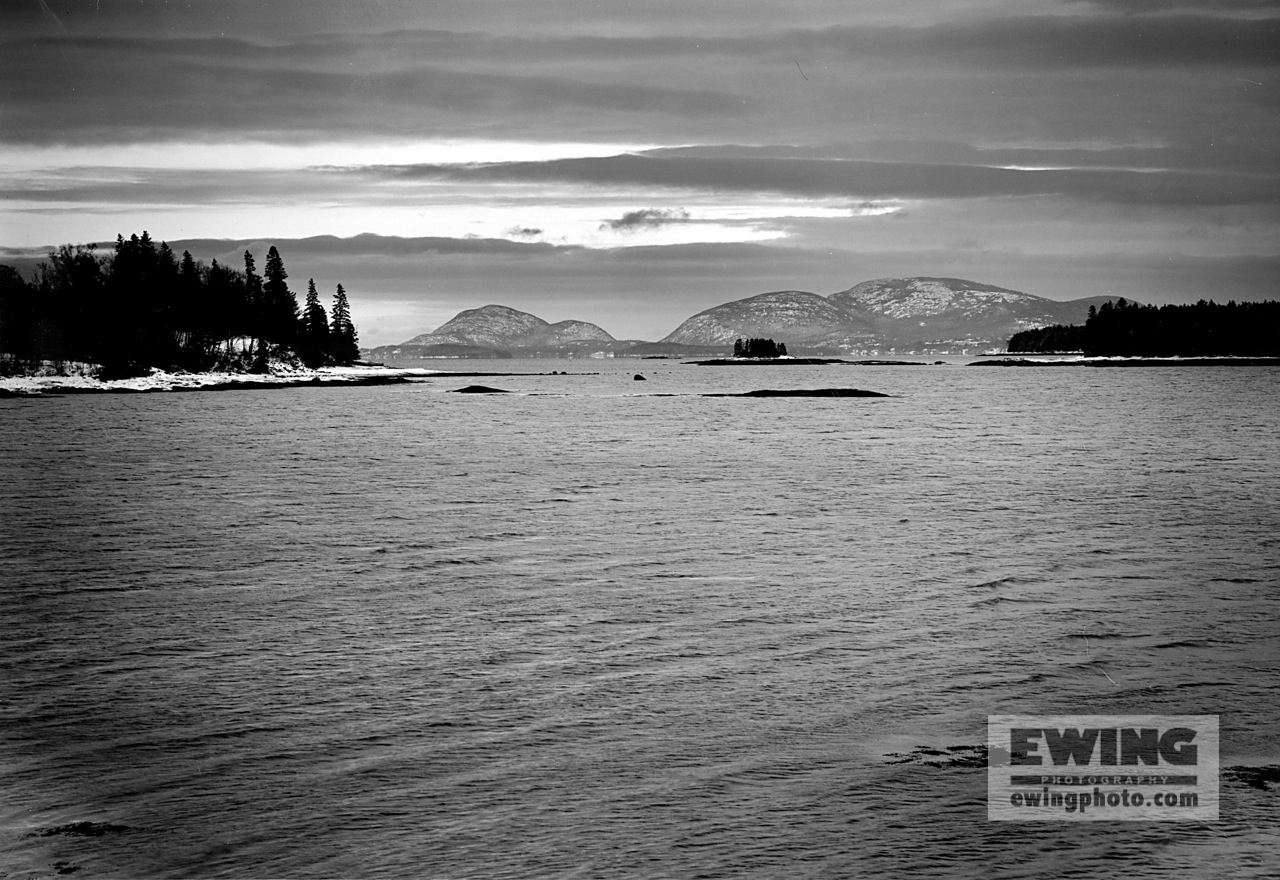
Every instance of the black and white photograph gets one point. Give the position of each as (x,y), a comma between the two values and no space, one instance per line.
(582,439)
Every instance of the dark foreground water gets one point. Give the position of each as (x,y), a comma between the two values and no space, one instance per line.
(397,632)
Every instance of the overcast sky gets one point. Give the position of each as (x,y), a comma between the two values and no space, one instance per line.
(631,164)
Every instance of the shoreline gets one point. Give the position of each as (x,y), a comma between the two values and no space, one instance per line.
(159,381)
(1172,361)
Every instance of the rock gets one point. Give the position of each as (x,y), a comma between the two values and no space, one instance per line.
(804,392)
(480,389)
(638,378)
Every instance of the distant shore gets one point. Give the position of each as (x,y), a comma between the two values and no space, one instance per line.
(1082,361)
(799,362)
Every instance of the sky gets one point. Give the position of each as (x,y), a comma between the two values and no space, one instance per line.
(631,164)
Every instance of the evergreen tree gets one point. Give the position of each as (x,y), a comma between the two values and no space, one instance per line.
(257,313)
(19,314)
(74,320)
(314,344)
(758,348)
(280,306)
(252,299)
(343,344)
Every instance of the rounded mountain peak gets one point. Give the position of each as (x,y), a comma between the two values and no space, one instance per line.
(491,325)
(925,296)
(785,315)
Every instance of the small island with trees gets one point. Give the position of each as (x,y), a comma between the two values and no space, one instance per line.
(1124,329)
(143,308)
(762,351)
(759,348)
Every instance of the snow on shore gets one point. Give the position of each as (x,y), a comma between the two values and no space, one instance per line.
(280,375)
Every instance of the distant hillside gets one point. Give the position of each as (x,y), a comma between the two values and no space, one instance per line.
(495,331)
(921,314)
(888,314)
(793,316)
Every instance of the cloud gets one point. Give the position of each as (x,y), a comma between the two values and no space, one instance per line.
(127,89)
(863,180)
(647,218)
(666,83)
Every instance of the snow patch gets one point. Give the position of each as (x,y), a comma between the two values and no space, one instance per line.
(160,380)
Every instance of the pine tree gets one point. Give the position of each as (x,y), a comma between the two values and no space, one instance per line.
(280,306)
(343,344)
(193,337)
(258,323)
(314,344)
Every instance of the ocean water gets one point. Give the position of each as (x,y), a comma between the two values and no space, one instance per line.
(604,628)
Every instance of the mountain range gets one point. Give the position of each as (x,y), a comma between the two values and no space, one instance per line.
(495,331)
(899,315)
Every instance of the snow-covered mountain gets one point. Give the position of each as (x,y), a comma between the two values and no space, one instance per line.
(499,331)
(887,313)
(805,317)
(489,326)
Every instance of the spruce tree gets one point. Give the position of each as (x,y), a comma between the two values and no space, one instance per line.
(187,318)
(280,306)
(343,344)
(258,323)
(314,345)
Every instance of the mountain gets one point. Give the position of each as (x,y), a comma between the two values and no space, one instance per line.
(488,326)
(916,314)
(801,317)
(923,315)
(495,331)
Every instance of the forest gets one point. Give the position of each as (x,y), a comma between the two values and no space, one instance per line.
(142,307)
(1124,329)
(758,348)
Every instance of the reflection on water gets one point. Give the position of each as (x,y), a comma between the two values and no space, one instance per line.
(586,630)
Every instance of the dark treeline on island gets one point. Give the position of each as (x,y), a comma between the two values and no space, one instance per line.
(1205,329)
(143,307)
(758,348)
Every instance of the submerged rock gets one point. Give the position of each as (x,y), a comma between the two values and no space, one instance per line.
(802,392)
(480,389)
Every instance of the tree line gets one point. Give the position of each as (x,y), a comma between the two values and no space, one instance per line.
(1205,329)
(142,306)
(758,348)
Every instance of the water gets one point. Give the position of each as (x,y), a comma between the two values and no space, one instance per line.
(590,631)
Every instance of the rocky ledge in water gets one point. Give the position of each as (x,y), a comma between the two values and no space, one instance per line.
(480,389)
(893,363)
(1262,778)
(766,362)
(800,392)
(964,757)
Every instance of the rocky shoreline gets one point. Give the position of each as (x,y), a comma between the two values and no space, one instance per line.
(161,381)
